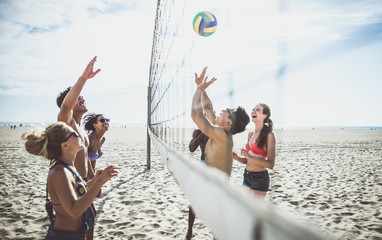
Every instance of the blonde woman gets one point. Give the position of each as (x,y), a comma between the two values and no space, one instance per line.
(70,196)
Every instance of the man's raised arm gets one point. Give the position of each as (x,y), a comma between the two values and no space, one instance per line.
(197,110)
(66,110)
(208,108)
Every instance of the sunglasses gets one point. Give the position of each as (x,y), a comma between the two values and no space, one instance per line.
(229,112)
(72,134)
(102,120)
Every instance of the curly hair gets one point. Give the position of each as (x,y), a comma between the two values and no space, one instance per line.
(267,128)
(240,119)
(47,143)
(89,120)
(61,96)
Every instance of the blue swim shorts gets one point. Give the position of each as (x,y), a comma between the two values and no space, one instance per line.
(257,180)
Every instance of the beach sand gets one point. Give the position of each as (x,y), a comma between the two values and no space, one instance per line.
(330,180)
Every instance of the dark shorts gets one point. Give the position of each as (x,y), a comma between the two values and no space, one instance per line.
(257,180)
(54,233)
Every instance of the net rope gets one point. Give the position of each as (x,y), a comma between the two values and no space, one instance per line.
(228,210)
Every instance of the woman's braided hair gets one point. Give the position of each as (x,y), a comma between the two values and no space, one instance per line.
(89,120)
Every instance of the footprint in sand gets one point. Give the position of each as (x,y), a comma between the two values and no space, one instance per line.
(137,236)
(125,202)
(106,221)
(137,202)
(347,214)
(122,224)
(367,203)
(295,203)
(155,225)
(149,211)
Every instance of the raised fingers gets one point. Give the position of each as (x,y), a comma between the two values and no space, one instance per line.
(93,60)
(98,70)
(211,81)
(203,72)
(200,78)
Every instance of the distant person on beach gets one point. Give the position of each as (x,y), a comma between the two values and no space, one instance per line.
(72,108)
(96,125)
(70,196)
(259,152)
(219,129)
(199,139)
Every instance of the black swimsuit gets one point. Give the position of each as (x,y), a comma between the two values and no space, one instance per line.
(89,214)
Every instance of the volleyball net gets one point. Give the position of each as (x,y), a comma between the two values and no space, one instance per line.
(231,212)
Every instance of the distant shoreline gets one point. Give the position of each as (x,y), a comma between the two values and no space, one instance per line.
(125,125)
(334,128)
(40,124)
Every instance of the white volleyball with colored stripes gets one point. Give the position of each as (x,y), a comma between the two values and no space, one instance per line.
(205,23)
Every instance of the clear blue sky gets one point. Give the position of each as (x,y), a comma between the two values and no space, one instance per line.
(331,51)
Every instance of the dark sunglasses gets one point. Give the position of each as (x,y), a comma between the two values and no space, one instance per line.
(72,134)
(102,120)
(229,112)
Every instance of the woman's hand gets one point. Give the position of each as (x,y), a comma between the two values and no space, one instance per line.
(238,158)
(107,173)
(244,153)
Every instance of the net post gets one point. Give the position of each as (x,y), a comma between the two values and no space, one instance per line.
(148,148)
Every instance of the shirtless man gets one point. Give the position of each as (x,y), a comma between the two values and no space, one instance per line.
(219,129)
(72,108)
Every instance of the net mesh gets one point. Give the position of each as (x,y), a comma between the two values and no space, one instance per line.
(177,53)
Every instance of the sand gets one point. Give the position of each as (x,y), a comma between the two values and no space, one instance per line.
(330,180)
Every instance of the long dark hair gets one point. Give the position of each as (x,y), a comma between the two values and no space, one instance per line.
(267,127)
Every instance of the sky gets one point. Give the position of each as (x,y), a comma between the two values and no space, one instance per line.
(328,53)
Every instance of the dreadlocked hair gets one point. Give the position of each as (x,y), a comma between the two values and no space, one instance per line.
(89,120)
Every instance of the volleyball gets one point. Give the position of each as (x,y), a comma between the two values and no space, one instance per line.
(205,23)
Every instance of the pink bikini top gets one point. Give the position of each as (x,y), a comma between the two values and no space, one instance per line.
(255,149)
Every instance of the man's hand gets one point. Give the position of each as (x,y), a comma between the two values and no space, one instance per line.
(235,156)
(201,81)
(89,73)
